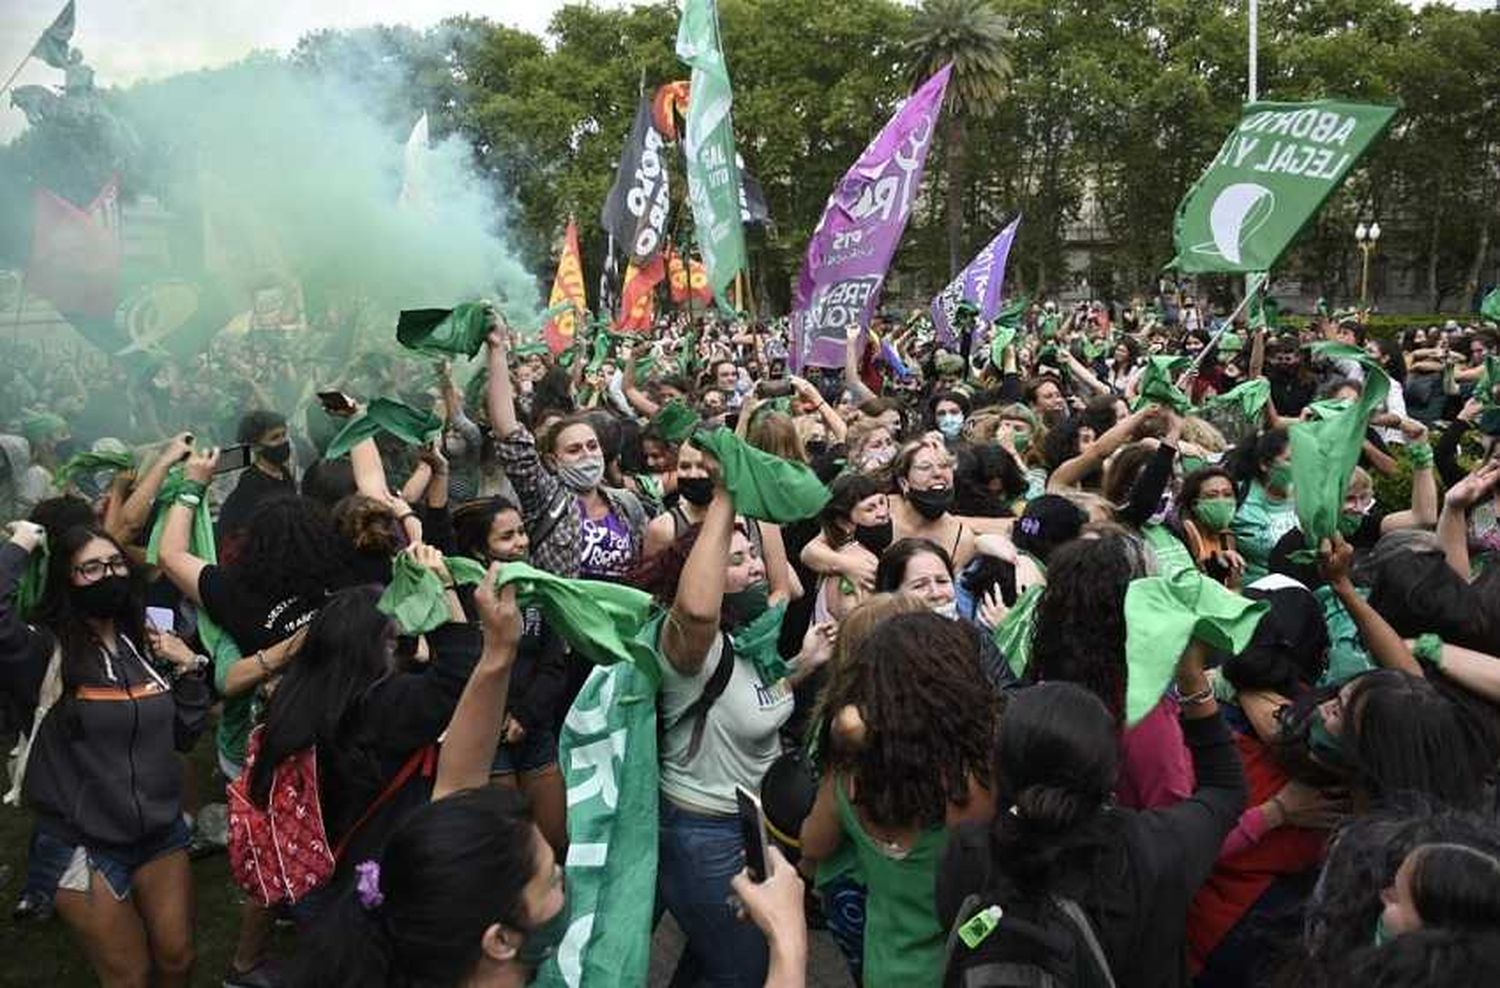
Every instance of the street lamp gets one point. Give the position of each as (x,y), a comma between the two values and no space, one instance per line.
(1366,237)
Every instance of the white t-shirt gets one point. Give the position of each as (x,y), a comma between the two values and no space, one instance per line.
(740,739)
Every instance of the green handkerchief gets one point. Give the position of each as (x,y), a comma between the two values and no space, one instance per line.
(385,415)
(763,486)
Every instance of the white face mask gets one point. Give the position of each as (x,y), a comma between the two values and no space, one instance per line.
(948,610)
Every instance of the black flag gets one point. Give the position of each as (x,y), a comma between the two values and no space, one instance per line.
(635,212)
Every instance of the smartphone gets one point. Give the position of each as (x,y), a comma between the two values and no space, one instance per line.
(336,402)
(233,458)
(161,618)
(773,389)
(753,832)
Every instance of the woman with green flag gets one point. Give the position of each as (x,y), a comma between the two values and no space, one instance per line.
(1263,471)
(725,695)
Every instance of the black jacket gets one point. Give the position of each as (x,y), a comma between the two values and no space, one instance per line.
(103,769)
(1135,889)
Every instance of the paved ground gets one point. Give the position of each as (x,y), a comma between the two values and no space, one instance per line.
(825,965)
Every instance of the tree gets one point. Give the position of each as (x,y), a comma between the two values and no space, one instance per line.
(971,35)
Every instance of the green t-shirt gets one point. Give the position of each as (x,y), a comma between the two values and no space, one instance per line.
(904,944)
(1258,526)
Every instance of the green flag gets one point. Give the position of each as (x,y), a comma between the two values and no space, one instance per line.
(91,462)
(52,46)
(1269,179)
(385,415)
(1326,450)
(763,486)
(444,332)
(1157,384)
(712,167)
(1248,398)
(675,421)
(1490,307)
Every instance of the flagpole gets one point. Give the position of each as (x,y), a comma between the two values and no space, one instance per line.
(24,59)
(1254,54)
(1250,290)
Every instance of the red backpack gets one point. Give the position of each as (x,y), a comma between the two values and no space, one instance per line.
(280,853)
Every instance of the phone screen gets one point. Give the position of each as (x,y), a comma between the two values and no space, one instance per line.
(160,618)
(233,458)
(753,831)
(336,401)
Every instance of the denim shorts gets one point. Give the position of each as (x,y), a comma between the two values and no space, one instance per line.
(536,751)
(69,867)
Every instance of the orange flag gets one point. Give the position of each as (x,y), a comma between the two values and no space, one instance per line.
(638,296)
(567,286)
(692,279)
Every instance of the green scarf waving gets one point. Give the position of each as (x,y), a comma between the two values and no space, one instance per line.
(763,486)
(1158,383)
(385,415)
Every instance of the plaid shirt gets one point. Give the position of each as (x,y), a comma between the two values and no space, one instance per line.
(538,490)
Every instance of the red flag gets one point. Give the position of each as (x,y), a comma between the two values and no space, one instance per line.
(75,253)
(567,286)
(638,296)
(679,280)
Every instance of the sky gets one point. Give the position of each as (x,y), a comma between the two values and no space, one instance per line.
(128,40)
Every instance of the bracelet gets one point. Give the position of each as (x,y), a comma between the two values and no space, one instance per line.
(1195,699)
(1420,455)
(1428,648)
(188,500)
(260,660)
(1275,801)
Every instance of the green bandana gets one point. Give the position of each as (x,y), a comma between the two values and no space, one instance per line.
(1248,399)
(444,332)
(33,581)
(87,463)
(415,597)
(385,415)
(675,421)
(763,486)
(1326,450)
(38,426)
(1157,383)
(756,641)
(600,620)
(531,350)
(1012,636)
(1490,307)
(1162,614)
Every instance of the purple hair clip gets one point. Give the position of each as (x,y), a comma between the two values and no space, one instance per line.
(1031,526)
(368,885)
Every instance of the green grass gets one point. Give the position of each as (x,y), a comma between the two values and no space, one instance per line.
(46,954)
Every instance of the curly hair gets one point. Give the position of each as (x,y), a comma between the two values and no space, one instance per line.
(1079,635)
(291,547)
(929,718)
(853,630)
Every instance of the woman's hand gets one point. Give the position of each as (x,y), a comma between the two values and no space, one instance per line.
(27,534)
(1302,805)
(817,646)
(859,567)
(498,614)
(430,559)
(805,390)
(992,609)
(1473,488)
(166,645)
(512,732)
(1335,559)
(774,905)
(200,465)
(179,447)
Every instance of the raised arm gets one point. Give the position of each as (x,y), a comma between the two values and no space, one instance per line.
(1477,672)
(852,380)
(474,732)
(1423,512)
(1082,374)
(500,397)
(638,399)
(127,523)
(181,566)
(1386,647)
(837,428)
(1257,354)
(693,622)
(1453,522)
(1071,472)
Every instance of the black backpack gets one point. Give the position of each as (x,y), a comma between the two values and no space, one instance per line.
(1046,943)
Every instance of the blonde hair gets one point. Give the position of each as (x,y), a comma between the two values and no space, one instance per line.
(775,433)
(1203,434)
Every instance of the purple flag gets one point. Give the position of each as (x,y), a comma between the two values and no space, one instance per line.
(979,283)
(852,246)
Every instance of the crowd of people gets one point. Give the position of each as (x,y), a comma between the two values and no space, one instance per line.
(1047,685)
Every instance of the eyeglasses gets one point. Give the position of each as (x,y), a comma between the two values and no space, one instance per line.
(97,569)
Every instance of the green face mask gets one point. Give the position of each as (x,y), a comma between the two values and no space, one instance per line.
(1192,463)
(1216,513)
(1382,935)
(1326,746)
(542,941)
(1350,522)
(1021,441)
(1279,476)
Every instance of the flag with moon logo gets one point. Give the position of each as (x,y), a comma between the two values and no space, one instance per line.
(1276,168)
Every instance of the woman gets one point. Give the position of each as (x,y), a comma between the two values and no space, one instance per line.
(102,772)
(579,526)
(1058,832)
(491,531)
(924,479)
(1124,367)
(947,412)
(467,892)
(871,446)
(347,697)
(856,529)
(921,569)
(1079,637)
(712,744)
(1266,512)
(908,759)
(1205,510)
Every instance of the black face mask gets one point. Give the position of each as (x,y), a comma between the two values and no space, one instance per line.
(696,490)
(817,448)
(931,504)
(277,454)
(876,538)
(104,598)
